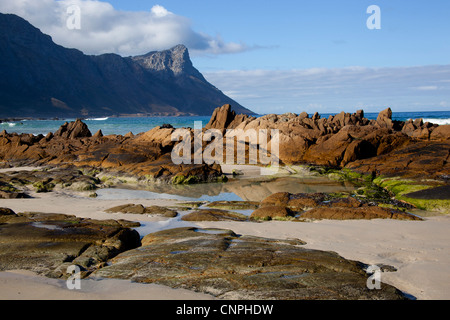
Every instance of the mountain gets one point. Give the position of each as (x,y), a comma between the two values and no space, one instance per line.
(39,78)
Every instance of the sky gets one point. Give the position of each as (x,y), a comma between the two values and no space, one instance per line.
(276,56)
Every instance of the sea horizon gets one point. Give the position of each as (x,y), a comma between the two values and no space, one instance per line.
(123,125)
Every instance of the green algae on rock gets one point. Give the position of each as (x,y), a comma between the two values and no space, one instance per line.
(414,191)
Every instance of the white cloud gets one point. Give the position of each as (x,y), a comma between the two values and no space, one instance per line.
(426,88)
(107,30)
(340,89)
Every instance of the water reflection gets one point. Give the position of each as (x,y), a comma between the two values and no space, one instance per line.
(234,190)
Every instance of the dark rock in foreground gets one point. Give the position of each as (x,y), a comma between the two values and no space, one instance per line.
(49,243)
(228,266)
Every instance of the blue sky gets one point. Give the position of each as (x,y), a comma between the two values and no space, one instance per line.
(278,56)
(325,33)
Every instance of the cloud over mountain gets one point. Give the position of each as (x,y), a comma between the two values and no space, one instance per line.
(104,29)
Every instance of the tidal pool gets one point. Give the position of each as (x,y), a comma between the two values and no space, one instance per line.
(233,190)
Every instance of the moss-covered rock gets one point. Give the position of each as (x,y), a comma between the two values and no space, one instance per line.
(410,191)
(42,186)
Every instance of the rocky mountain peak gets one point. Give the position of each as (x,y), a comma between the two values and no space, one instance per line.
(175,60)
(43,79)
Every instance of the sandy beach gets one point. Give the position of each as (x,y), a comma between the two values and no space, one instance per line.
(419,250)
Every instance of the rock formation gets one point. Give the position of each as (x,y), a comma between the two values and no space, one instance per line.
(49,243)
(228,266)
(376,147)
(381,146)
(145,156)
(42,79)
(317,206)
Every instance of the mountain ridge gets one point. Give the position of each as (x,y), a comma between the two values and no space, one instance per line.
(39,78)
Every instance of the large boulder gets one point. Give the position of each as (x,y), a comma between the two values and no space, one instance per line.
(73,130)
(271,212)
(441,133)
(229,266)
(384,118)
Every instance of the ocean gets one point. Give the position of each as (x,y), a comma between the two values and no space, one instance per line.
(142,124)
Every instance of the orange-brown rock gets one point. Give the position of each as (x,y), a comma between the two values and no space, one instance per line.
(271,212)
(352,141)
(315,206)
(147,154)
(381,146)
(352,213)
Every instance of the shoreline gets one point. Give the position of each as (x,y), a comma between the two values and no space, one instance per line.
(419,250)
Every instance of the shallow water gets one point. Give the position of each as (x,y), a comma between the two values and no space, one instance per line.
(241,189)
(234,190)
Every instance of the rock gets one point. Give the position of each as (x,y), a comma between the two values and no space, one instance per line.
(48,243)
(228,266)
(348,202)
(6,214)
(213,215)
(276,199)
(73,130)
(384,119)
(344,140)
(98,134)
(140,209)
(441,133)
(271,212)
(421,133)
(234,205)
(128,208)
(358,149)
(221,118)
(12,195)
(359,114)
(166,212)
(317,206)
(303,201)
(352,213)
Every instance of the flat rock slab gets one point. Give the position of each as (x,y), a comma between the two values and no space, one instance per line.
(213,215)
(140,209)
(48,243)
(303,206)
(229,266)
